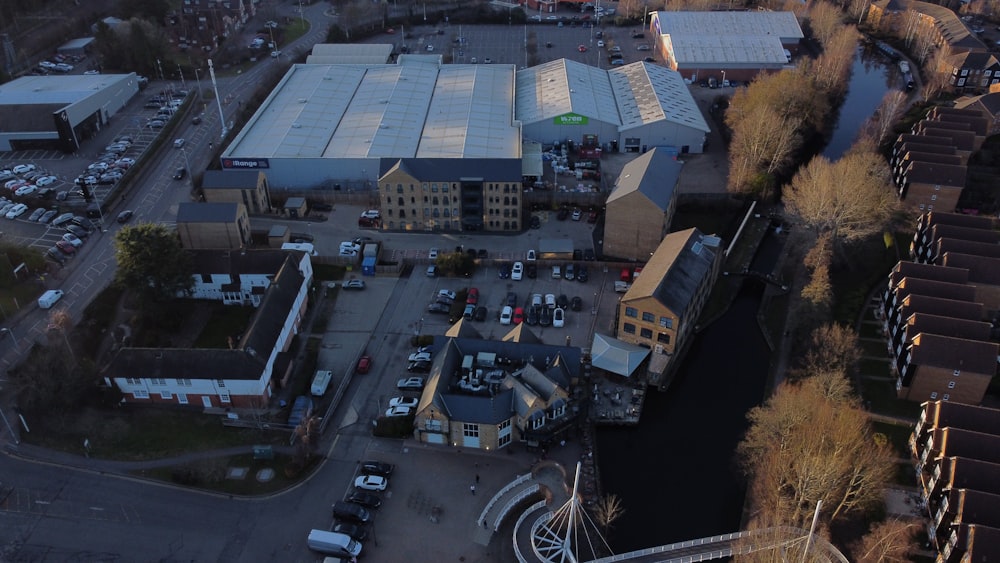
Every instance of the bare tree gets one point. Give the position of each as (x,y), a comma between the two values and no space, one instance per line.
(802,448)
(819,291)
(938,77)
(60,319)
(891,541)
(608,509)
(880,124)
(832,68)
(825,21)
(834,348)
(848,199)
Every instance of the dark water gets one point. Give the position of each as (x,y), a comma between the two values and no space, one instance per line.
(871,77)
(675,471)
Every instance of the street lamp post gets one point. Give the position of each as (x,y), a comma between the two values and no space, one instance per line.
(723,78)
(218,102)
(187,163)
(198,79)
(181,73)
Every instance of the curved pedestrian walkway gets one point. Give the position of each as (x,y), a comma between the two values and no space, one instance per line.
(546,482)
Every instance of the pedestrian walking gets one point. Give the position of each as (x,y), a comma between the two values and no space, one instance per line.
(477,478)
(472,489)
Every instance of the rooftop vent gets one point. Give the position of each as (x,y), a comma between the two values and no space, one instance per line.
(303,100)
(296,125)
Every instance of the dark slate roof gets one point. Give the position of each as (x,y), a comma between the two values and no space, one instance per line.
(234,262)
(944,245)
(924,148)
(973,118)
(977,507)
(478,409)
(964,140)
(966,443)
(982,270)
(947,326)
(184,363)
(188,212)
(989,102)
(951,27)
(455,169)
(972,356)
(910,286)
(964,233)
(263,332)
(933,173)
(930,156)
(653,174)
(958,219)
(940,306)
(965,473)
(676,270)
(236,179)
(922,139)
(961,415)
(926,272)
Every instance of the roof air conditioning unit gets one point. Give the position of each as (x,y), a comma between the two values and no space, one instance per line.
(303,100)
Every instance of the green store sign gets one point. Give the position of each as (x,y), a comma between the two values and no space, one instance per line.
(570,119)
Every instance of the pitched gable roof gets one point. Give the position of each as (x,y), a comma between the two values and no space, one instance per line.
(676,270)
(653,174)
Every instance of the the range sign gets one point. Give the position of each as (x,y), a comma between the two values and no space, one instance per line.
(245,163)
(570,119)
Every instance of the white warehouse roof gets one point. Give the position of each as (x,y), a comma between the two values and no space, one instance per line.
(627,96)
(417,108)
(727,38)
(353,53)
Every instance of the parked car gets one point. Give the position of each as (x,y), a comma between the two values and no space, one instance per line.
(16,211)
(506,315)
(48,215)
(26,190)
(367,500)
(439,308)
(518,317)
(582,275)
(23,168)
(576,304)
(480,314)
(372,467)
(65,247)
(577,214)
(364,365)
(415,383)
(532,317)
(420,357)
(550,301)
(517,271)
(355,531)
(558,318)
(72,239)
(77,231)
(472,297)
(37,214)
(570,272)
(353,284)
(409,402)
(45,181)
(503,272)
(371,483)
(180,173)
(178,143)
(398,411)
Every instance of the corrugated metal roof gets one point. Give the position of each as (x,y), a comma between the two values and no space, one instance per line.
(60,90)
(781,25)
(350,53)
(728,50)
(628,96)
(415,109)
(653,174)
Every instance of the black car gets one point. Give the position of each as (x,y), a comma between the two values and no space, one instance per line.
(588,254)
(55,255)
(532,317)
(536,223)
(77,231)
(196,120)
(545,317)
(504,271)
(124,216)
(471,252)
(180,173)
(357,532)
(317,206)
(531,271)
(577,254)
(511,299)
(419,367)
(582,275)
(380,468)
(563,214)
(480,314)
(562,301)
(367,500)
(576,304)
(483,253)
(439,308)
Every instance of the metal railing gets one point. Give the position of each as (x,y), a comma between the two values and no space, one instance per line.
(496,498)
(517,549)
(512,503)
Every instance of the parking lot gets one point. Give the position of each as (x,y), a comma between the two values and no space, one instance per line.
(507,44)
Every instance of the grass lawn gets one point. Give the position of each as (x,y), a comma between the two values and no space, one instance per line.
(226,321)
(873,348)
(870,330)
(142,434)
(898,435)
(17,296)
(211,474)
(881,396)
(869,263)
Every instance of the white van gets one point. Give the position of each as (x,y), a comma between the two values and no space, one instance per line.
(333,543)
(301,247)
(49,298)
(320,382)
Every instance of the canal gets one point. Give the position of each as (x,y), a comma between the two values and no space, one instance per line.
(676,472)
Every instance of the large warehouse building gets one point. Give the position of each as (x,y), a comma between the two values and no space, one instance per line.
(60,112)
(447,146)
(632,108)
(726,45)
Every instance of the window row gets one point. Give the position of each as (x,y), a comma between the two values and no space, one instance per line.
(423,187)
(665,322)
(661,337)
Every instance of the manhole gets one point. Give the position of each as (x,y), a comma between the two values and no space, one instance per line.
(265,475)
(237,472)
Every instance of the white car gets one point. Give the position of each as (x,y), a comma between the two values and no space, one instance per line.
(517,272)
(532,256)
(371,214)
(446,293)
(550,300)
(23,168)
(558,318)
(45,181)
(127,161)
(17,211)
(410,402)
(430,48)
(178,143)
(371,483)
(600,42)
(433,254)
(505,315)
(398,411)
(26,190)
(98,167)
(420,357)
(72,239)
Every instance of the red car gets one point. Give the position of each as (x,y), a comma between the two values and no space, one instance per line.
(626,275)
(592,218)
(518,315)
(472,297)
(582,48)
(65,247)
(364,364)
